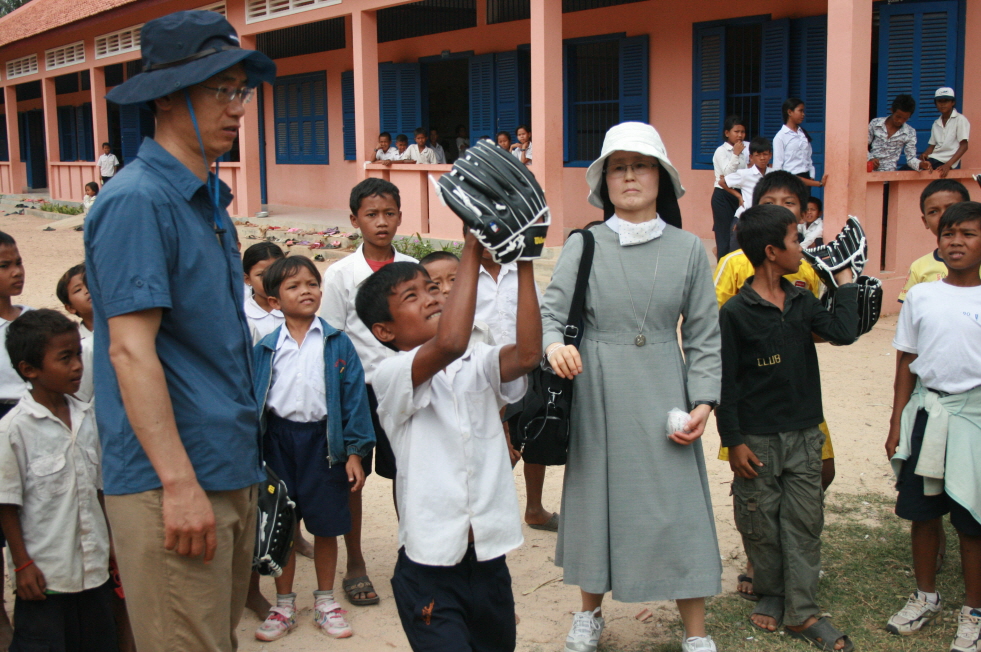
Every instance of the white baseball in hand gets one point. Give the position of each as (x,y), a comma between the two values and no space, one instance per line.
(678,421)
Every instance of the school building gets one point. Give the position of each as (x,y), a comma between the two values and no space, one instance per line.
(348,69)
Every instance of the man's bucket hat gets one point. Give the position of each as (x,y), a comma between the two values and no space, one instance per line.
(186,48)
(630,137)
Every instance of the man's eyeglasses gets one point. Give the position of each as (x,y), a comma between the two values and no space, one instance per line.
(226,95)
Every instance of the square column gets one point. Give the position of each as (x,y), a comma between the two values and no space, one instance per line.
(846,133)
(367,116)
(49,103)
(100,117)
(547,122)
(18,170)
(248,186)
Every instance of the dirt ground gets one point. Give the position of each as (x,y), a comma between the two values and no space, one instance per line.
(857,387)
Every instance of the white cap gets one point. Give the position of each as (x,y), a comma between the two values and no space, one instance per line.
(630,137)
(944,92)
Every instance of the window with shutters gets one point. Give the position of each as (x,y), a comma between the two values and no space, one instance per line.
(22,67)
(75,138)
(308,38)
(424,18)
(400,98)
(348,116)
(919,45)
(502,11)
(300,109)
(66,55)
(257,10)
(748,67)
(217,7)
(4,148)
(124,40)
(606,84)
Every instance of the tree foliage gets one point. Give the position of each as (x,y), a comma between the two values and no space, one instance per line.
(6,6)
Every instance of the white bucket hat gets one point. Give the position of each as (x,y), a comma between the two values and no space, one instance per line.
(630,137)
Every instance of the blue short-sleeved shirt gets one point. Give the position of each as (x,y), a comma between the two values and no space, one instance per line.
(150,243)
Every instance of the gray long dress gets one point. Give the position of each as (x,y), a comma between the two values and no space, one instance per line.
(636,510)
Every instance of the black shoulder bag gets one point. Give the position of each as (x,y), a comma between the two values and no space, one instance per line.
(542,435)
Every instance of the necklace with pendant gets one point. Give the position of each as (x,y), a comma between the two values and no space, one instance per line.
(640,340)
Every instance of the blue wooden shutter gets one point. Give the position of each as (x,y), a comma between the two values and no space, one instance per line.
(482,121)
(774,75)
(634,92)
(508,93)
(85,147)
(129,131)
(281,117)
(4,146)
(66,133)
(918,45)
(708,94)
(400,97)
(347,116)
(808,77)
(300,106)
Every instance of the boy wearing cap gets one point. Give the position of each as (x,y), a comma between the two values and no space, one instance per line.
(948,136)
(177,416)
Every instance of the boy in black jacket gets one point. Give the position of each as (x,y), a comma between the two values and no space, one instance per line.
(769,416)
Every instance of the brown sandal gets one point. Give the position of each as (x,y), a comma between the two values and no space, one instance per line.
(359,586)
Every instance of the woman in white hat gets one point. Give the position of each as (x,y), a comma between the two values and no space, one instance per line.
(636,510)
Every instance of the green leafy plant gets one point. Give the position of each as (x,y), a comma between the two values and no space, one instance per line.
(419,247)
(60,208)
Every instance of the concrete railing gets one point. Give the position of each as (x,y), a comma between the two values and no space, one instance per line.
(66,180)
(6,182)
(422,211)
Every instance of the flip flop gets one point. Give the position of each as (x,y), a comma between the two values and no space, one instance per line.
(551,525)
(319,258)
(336,244)
(746,595)
(356,586)
(823,635)
(772,606)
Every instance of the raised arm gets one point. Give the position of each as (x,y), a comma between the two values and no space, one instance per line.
(456,320)
(189,521)
(521,357)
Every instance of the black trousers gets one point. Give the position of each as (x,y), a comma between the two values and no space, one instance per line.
(724,205)
(66,622)
(464,608)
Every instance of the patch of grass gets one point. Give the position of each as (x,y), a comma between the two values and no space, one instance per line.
(419,247)
(868,575)
(61,208)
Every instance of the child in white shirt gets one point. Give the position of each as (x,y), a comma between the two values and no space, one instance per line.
(73,293)
(384,151)
(812,228)
(263,319)
(108,163)
(50,486)
(439,400)
(91,191)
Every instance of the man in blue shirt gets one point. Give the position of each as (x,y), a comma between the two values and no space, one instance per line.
(176,414)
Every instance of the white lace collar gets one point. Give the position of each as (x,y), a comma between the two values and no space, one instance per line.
(634,234)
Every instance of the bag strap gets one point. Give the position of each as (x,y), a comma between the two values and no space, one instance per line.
(582,280)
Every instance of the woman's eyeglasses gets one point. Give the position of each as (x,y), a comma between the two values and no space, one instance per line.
(641,169)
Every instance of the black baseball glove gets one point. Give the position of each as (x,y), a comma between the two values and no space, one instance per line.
(275,527)
(848,250)
(869,302)
(499,200)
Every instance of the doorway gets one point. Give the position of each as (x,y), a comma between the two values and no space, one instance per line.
(32,146)
(448,99)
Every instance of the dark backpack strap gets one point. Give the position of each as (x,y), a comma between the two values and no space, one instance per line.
(574,322)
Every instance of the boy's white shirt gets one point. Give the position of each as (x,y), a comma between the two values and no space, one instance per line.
(425,156)
(745,181)
(12,386)
(340,287)
(388,155)
(261,323)
(86,390)
(54,475)
(946,138)
(497,302)
(454,472)
(298,389)
(941,324)
(108,164)
(811,232)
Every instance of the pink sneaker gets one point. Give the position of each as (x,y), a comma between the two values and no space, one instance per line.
(330,617)
(280,622)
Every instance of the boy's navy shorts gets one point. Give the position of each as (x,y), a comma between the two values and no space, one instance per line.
(66,621)
(297,453)
(4,409)
(462,608)
(913,505)
(383,454)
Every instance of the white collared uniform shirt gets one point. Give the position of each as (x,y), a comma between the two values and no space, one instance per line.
(440,153)
(497,302)
(261,323)
(86,390)
(745,181)
(425,156)
(946,138)
(454,472)
(53,474)
(341,282)
(299,391)
(12,386)
(792,152)
(724,162)
(389,155)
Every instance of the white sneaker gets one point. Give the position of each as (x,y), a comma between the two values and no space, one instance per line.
(968,637)
(698,644)
(280,622)
(330,617)
(586,630)
(916,615)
